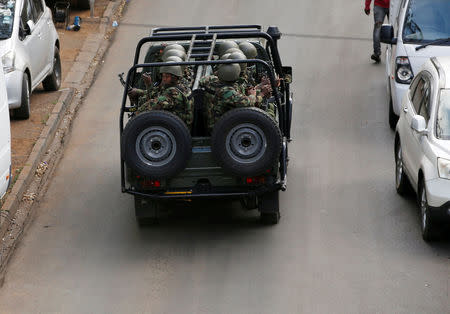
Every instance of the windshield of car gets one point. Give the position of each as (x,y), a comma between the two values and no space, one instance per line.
(427,20)
(443,116)
(6,18)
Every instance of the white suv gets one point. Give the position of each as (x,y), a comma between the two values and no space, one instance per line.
(422,143)
(5,139)
(419,30)
(29,50)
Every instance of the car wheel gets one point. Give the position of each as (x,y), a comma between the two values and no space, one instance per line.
(246,142)
(426,221)
(393,118)
(156,144)
(401,180)
(146,211)
(23,112)
(269,207)
(53,81)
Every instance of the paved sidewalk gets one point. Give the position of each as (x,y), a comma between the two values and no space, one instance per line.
(37,143)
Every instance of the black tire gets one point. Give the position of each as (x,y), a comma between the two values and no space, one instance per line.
(401,180)
(393,118)
(270,218)
(146,211)
(249,202)
(269,207)
(427,225)
(156,144)
(23,112)
(257,142)
(53,81)
(80,4)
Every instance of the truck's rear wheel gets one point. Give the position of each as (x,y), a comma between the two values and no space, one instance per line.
(156,144)
(269,207)
(146,211)
(246,142)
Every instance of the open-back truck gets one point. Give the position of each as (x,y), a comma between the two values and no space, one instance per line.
(245,157)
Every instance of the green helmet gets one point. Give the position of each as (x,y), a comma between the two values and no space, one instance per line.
(175,59)
(231,50)
(225,45)
(174,46)
(239,56)
(225,56)
(229,72)
(248,49)
(171,69)
(173,52)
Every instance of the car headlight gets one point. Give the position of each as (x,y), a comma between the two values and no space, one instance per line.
(403,70)
(444,168)
(8,62)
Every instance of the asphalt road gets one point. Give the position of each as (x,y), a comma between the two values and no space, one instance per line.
(346,242)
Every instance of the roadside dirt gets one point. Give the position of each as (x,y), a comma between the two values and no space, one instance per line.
(25,133)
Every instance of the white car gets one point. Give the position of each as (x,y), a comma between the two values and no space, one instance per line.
(29,50)
(5,139)
(419,30)
(422,144)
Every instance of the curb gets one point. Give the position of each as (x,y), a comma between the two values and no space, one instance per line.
(18,208)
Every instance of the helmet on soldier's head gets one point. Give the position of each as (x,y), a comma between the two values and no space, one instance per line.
(225,45)
(174,46)
(239,56)
(229,72)
(171,69)
(231,50)
(173,52)
(175,59)
(225,56)
(248,49)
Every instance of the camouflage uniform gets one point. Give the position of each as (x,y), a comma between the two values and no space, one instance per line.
(221,97)
(175,99)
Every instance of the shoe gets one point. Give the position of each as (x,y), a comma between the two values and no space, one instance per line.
(375,58)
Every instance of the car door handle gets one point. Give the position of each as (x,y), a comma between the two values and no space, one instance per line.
(405,110)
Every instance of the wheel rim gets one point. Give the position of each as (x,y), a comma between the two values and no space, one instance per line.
(156,146)
(246,143)
(423,208)
(398,167)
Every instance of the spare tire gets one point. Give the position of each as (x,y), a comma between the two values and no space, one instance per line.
(246,142)
(156,144)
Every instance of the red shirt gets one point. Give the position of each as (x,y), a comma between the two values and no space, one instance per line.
(380,3)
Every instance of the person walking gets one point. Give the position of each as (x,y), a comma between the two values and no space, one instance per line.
(380,11)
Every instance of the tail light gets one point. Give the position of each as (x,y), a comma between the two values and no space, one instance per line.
(255,180)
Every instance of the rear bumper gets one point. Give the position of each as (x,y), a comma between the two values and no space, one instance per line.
(213,194)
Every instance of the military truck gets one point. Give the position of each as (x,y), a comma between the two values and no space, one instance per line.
(245,157)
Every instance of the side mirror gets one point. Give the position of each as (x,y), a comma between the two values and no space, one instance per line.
(419,125)
(387,35)
(29,28)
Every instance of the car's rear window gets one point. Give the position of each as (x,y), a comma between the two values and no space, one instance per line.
(427,20)
(443,116)
(6,18)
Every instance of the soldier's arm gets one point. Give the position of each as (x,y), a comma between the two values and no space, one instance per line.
(236,99)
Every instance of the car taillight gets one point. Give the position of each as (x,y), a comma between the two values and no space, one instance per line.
(255,180)
(149,183)
(403,71)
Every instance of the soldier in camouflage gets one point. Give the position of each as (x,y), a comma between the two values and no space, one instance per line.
(172,96)
(223,93)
